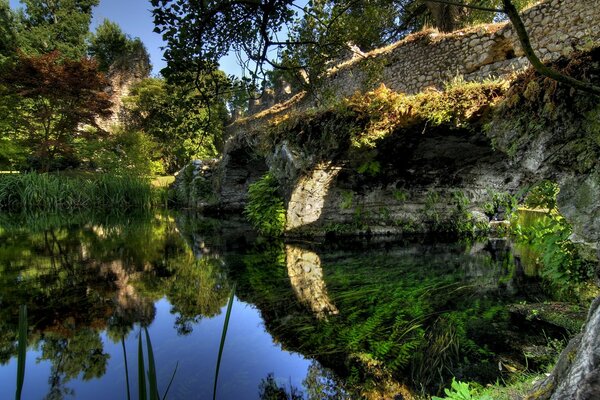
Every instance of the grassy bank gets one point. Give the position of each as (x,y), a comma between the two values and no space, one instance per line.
(50,192)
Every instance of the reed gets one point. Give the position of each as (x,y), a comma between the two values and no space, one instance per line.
(147,381)
(222,343)
(21,350)
(54,192)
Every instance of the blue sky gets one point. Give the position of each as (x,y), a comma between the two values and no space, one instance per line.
(135,18)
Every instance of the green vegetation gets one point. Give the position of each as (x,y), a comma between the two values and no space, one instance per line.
(51,193)
(177,120)
(148,391)
(562,264)
(548,234)
(393,312)
(461,391)
(21,350)
(55,109)
(265,209)
(111,48)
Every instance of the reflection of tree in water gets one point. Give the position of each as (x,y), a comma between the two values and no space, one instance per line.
(322,384)
(88,276)
(82,353)
(197,289)
(81,279)
(269,389)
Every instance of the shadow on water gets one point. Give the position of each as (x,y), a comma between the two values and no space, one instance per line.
(369,317)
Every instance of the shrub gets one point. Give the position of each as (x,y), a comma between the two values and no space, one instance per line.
(265,209)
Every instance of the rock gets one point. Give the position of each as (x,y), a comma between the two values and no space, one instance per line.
(563,315)
(577,372)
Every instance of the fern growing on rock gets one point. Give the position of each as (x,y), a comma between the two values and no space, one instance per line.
(265,208)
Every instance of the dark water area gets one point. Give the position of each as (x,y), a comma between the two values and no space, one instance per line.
(352,319)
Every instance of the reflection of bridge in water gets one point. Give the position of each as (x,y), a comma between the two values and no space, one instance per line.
(306,278)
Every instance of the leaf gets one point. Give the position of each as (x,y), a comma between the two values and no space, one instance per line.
(21,350)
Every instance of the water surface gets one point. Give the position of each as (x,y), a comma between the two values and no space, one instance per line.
(309,320)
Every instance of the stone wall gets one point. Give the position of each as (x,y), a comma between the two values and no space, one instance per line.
(430,59)
(121,79)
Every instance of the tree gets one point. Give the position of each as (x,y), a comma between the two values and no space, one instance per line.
(51,102)
(50,25)
(181,119)
(8,37)
(110,46)
(285,35)
(198,34)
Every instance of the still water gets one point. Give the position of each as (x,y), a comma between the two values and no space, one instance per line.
(310,320)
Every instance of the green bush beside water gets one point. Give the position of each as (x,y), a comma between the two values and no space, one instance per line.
(50,192)
(265,208)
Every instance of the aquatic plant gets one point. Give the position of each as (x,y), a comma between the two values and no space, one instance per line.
(222,342)
(21,350)
(563,264)
(147,390)
(54,192)
(265,208)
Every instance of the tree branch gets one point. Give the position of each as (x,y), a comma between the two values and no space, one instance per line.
(517,22)
(474,7)
(513,15)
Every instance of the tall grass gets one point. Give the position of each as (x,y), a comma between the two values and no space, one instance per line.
(48,192)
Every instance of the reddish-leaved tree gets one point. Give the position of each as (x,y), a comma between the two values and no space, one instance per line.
(54,102)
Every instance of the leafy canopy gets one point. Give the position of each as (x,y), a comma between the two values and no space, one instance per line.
(49,25)
(288,35)
(109,45)
(48,101)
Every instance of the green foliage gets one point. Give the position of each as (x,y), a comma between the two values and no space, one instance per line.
(46,192)
(383,111)
(461,391)
(149,390)
(8,35)
(347,199)
(48,25)
(371,168)
(110,47)
(265,208)
(562,265)
(124,152)
(177,118)
(501,204)
(542,195)
(400,195)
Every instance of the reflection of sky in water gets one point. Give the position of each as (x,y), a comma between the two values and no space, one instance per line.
(248,357)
